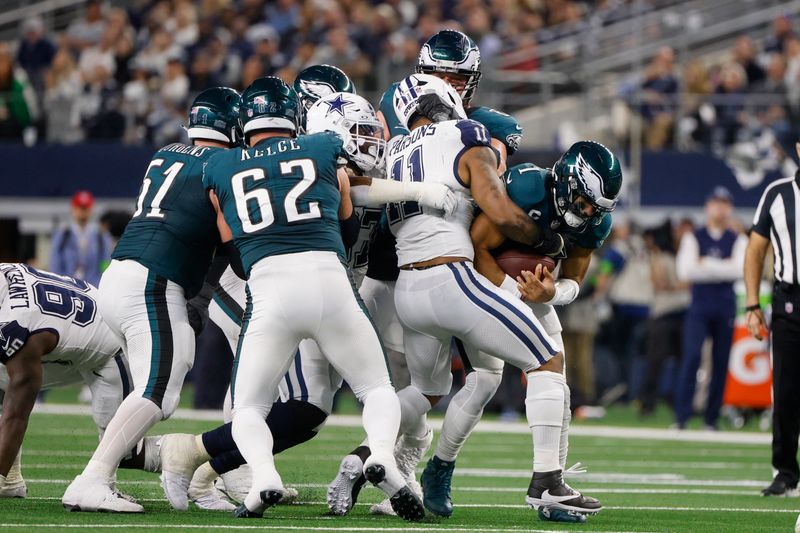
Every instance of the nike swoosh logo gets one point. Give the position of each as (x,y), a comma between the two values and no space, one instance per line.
(553,498)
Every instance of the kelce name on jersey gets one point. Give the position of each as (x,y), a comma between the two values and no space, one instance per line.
(417,134)
(179,148)
(17,291)
(284,145)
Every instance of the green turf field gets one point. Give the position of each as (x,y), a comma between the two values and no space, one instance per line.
(645,484)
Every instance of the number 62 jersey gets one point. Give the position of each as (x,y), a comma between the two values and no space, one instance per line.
(32,301)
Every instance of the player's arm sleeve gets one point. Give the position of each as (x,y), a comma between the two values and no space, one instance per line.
(25,381)
(349,228)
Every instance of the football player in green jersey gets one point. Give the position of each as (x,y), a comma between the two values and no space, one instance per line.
(282,198)
(455,58)
(575,198)
(159,263)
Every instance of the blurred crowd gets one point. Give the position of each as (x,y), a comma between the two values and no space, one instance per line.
(751,94)
(128,73)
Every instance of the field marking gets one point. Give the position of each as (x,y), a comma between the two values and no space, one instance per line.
(482,427)
(300,528)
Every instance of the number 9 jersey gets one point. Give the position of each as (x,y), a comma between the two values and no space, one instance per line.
(431,154)
(32,301)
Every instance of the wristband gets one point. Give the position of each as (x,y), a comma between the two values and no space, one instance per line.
(510,284)
(754,307)
(566,292)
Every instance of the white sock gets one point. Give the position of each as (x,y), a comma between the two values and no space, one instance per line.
(544,408)
(566,418)
(133,418)
(464,412)
(254,440)
(381,420)
(414,407)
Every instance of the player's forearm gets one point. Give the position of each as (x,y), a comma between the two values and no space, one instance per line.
(19,401)
(487,266)
(518,227)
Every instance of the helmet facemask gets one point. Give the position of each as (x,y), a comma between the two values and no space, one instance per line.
(366,147)
(470,84)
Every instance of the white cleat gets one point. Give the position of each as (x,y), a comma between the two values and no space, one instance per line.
(211,501)
(343,490)
(179,459)
(14,489)
(236,483)
(409,451)
(94,494)
(289,497)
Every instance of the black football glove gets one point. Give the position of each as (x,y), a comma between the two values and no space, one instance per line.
(197,309)
(551,243)
(433,107)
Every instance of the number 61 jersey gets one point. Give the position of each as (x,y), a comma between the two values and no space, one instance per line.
(32,301)
(431,154)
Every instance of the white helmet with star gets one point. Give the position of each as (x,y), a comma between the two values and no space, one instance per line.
(355,121)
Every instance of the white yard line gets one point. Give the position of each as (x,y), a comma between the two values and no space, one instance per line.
(226,526)
(483,426)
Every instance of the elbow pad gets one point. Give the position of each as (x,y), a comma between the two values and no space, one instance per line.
(566,292)
(350,228)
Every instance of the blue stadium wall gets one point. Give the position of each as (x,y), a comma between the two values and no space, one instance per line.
(115,171)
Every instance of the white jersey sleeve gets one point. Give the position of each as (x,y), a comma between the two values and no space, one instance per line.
(35,301)
(431,154)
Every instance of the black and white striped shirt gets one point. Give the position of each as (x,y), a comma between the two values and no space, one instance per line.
(776,219)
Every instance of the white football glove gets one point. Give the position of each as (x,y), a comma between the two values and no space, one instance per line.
(436,195)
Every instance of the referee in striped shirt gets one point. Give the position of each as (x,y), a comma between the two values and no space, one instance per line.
(777,223)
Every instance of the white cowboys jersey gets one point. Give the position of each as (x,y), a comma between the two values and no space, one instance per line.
(431,154)
(32,301)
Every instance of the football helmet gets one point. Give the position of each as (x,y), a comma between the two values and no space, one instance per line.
(410,89)
(355,121)
(214,116)
(590,170)
(316,81)
(452,52)
(269,103)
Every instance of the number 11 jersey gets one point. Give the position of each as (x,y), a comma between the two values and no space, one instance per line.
(431,154)
(173,231)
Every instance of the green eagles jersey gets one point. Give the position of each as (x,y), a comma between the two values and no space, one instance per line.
(526,185)
(173,231)
(501,126)
(281,196)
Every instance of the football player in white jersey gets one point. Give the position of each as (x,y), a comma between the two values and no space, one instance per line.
(52,335)
(439,295)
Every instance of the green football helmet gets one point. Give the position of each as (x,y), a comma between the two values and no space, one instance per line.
(590,170)
(269,104)
(214,116)
(452,52)
(316,81)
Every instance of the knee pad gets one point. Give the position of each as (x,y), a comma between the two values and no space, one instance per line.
(482,385)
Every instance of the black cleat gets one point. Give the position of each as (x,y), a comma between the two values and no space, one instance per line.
(779,487)
(404,502)
(548,490)
(268,499)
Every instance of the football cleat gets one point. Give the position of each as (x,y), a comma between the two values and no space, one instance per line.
(552,514)
(180,458)
(387,477)
(13,485)
(548,490)
(236,484)
(203,493)
(289,497)
(385,506)
(436,479)
(268,499)
(94,494)
(409,451)
(779,487)
(343,490)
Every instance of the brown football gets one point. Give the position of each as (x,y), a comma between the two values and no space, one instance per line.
(515,261)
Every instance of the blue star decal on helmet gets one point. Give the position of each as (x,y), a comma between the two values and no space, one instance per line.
(337,105)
